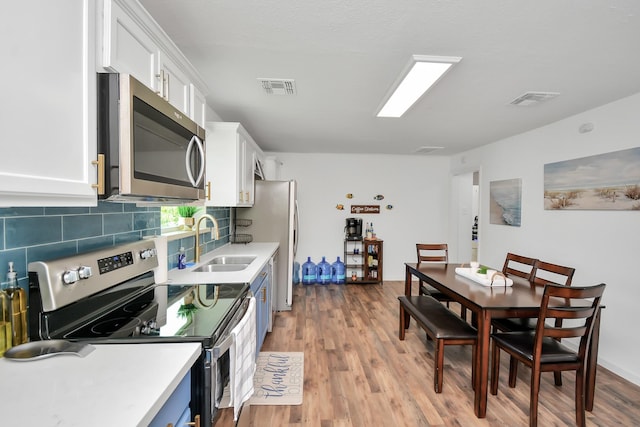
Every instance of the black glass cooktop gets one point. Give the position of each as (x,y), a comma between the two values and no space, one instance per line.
(147,312)
(198,310)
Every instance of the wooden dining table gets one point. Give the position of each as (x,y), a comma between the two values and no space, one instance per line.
(489,302)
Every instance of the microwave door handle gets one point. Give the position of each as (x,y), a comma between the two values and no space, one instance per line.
(194,140)
(200,145)
(187,158)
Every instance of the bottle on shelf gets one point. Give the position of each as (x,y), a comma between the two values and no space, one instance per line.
(368,231)
(338,272)
(309,272)
(324,272)
(17,307)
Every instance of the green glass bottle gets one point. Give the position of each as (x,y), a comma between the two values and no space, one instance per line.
(5,323)
(17,307)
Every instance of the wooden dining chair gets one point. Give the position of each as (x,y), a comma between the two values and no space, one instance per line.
(434,253)
(542,350)
(544,273)
(520,266)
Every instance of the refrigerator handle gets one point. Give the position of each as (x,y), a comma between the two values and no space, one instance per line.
(295,229)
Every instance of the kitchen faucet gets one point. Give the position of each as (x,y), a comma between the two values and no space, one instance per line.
(196,249)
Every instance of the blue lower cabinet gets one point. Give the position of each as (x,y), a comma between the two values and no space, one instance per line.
(261,288)
(176,410)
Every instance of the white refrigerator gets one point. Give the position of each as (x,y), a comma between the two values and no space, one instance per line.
(274,218)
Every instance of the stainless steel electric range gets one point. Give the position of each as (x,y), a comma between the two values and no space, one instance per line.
(110,296)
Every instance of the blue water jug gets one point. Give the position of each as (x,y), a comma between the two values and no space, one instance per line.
(296,272)
(324,272)
(338,272)
(309,272)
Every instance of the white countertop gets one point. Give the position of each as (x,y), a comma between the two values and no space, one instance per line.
(262,251)
(115,385)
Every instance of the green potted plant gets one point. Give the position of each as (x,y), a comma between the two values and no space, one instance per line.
(186,214)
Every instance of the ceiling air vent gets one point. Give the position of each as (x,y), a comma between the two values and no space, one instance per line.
(532,98)
(278,86)
(427,150)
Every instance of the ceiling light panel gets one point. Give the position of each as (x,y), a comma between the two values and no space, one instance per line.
(419,75)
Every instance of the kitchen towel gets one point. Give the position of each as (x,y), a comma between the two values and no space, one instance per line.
(242,355)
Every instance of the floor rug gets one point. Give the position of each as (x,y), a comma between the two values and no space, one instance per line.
(279,378)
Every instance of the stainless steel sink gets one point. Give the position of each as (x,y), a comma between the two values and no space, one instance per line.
(232,259)
(211,268)
(226,263)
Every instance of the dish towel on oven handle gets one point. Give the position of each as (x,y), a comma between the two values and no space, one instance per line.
(242,356)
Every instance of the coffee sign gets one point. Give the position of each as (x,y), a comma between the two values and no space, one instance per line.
(365,209)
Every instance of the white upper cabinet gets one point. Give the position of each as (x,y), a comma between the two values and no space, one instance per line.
(198,106)
(48,108)
(176,86)
(127,48)
(231,156)
(133,43)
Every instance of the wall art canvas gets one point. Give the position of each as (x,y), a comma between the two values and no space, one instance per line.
(505,202)
(609,181)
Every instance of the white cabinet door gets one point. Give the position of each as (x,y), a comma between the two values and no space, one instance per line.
(127,48)
(231,154)
(198,108)
(248,169)
(48,108)
(175,83)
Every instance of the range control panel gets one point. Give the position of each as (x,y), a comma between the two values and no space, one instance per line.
(114,262)
(66,280)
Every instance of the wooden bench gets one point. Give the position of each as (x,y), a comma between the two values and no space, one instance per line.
(442,325)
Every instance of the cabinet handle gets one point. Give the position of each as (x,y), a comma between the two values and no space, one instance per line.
(264,294)
(166,90)
(160,78)
(241,197)
(195,422)
(208,190)
(264,273)
(100,163)
(246,195)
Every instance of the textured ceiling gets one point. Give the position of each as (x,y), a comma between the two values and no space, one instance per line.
(345,55)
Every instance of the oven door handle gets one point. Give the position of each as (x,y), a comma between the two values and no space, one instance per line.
(221,348)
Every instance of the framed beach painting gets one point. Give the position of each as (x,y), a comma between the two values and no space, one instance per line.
(609,181)
(505,202)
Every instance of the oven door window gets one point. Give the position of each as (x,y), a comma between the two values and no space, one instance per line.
(163,149)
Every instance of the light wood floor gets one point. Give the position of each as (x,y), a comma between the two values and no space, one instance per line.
(358,373)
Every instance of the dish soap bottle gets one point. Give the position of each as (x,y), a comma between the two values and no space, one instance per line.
(5,323)
(182,259)
(18,307)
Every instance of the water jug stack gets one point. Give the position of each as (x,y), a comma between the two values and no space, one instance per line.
(309,272)
(324,272)
(338,272)
(296,272)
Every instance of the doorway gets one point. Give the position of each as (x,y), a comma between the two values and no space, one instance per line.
(465,210)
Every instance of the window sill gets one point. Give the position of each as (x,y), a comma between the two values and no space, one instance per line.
(173,234)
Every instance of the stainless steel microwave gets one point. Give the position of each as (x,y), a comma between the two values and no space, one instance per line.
(152,151)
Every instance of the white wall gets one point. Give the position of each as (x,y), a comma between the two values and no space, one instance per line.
(416,186)
(603,246)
